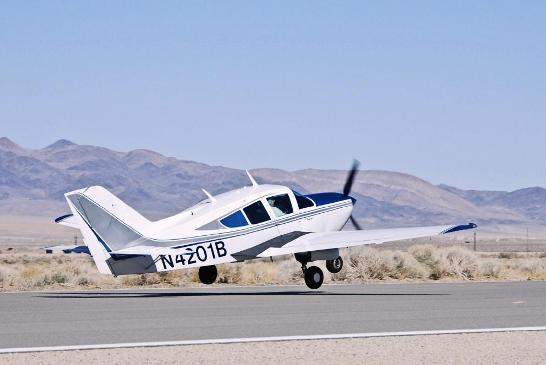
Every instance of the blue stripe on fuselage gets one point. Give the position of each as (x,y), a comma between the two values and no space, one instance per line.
(328,198)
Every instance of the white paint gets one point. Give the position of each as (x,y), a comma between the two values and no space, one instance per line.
(267,339)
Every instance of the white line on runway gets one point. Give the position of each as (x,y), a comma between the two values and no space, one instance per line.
(266,339)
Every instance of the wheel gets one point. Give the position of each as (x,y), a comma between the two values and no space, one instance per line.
(335,265)
(313,277)
(208,274)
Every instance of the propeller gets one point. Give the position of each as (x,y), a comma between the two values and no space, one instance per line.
(349,185)
(351,177)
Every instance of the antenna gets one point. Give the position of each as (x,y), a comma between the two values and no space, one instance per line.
(209,195)
(254,183)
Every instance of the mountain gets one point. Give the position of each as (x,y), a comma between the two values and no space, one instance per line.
(529,202)
(32,182)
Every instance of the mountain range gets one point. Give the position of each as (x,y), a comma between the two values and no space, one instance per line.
(33,181)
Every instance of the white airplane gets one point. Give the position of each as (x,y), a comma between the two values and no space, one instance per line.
(251,222)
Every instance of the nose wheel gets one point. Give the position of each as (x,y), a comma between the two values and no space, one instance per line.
(313,277)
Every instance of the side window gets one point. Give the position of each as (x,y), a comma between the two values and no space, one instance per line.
(303,202)
(234,220)
(256,213)
(280,204)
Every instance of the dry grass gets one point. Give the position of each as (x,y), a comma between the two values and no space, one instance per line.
(31,269)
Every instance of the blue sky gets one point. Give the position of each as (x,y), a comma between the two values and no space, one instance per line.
(451,91)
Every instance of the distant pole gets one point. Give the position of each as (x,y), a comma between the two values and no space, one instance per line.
(527,238)
(474,241)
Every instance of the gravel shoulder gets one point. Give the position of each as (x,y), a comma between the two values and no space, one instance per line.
(491,348)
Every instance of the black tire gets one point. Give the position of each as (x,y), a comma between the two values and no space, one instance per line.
(208,274)
(313,277)
(335,265)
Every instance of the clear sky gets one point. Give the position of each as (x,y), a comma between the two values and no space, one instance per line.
(451,91)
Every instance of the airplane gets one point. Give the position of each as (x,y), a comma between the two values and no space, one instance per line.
(251,222)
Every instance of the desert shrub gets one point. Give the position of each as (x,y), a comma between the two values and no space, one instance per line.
(288,271)
(9,260)
(461,262)
(430,256)
(507,255)
(532,267)
(30,272)
(134,280)
(258,272)
(490,269)
(407,267)
(169,277)
(371,264)
(85,281)
(59,278)
(425,254)
(229,274)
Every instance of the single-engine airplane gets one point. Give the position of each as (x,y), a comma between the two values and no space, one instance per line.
(252,222)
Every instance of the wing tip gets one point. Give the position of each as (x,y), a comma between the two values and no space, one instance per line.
(62,218)
(461,227)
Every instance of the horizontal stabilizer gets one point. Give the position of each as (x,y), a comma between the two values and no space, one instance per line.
(67,220)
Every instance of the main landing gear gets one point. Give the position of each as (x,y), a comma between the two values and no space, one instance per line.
(208,274)
(313,275)
(335,265)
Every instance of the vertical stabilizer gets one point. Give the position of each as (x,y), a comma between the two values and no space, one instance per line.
(107,223)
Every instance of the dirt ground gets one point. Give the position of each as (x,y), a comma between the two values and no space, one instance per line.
(477,348)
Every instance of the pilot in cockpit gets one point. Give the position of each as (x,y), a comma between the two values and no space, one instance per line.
(278,212)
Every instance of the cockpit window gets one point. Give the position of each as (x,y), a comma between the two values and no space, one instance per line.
(234,220)
(280,204)
(256,213)
(302,201)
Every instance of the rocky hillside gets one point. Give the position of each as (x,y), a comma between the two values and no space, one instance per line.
(32,182)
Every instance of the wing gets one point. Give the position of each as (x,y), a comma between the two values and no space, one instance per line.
(327,240)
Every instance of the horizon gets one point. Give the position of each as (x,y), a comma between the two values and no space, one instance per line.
(64,140)
(447,91)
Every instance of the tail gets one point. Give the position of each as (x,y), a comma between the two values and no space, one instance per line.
(107,223)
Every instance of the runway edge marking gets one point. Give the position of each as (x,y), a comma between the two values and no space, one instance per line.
(266,339)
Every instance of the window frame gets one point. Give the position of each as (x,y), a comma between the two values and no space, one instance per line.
(295,194)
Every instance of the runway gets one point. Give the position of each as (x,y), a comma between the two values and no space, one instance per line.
(105,317)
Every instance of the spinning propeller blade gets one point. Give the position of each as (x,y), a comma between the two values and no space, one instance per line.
(355,223)
(349,185)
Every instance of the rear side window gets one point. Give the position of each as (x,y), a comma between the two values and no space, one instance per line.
(303,202)
(234,220)
(256,213)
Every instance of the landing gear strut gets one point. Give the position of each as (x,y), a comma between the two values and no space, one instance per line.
(208,274)
(335,265)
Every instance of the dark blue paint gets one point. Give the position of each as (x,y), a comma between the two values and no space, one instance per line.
(329,198)
(461,227)
(78,249)
(62,218)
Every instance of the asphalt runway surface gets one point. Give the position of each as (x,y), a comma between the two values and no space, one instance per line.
(117,316)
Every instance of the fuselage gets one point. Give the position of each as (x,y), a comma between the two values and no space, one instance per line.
(242,224)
